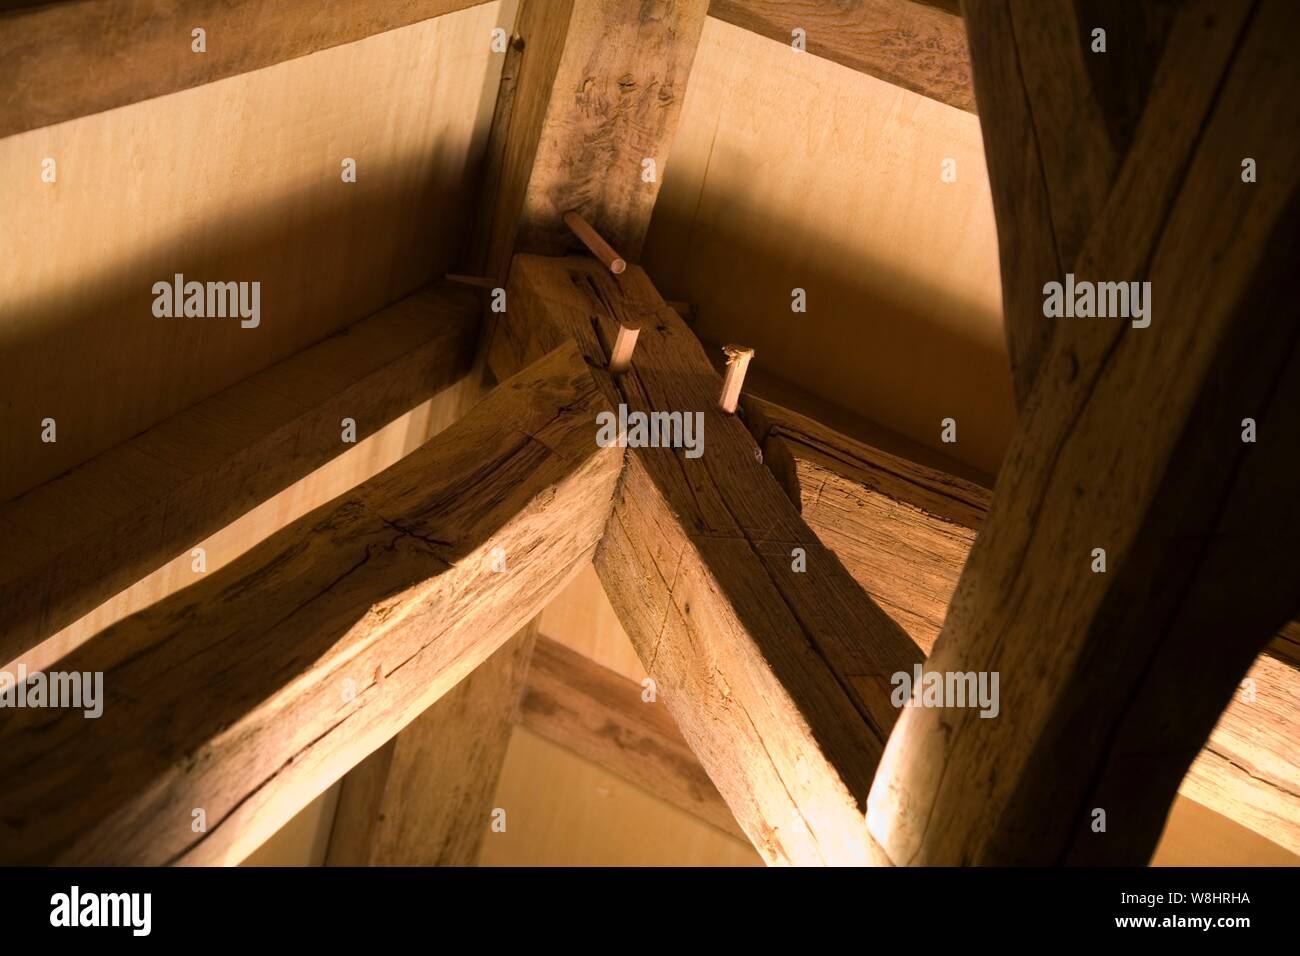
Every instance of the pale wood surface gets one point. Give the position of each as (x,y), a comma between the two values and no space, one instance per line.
(562,810)
(1131,440)
(425,797)
(61,60)
(593,814)
(304,840)
(599,90)
(360,462)
(904,530)
(790,171)
(1193,835)
(1249,770)
(75,541)
(778,679)
(1059,122)
(607,719)
(1197,836)
(238,180)
(582,619)
(913,45)
(390,588)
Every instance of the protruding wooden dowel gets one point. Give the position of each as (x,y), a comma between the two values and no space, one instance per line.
(599,248)
(738,357)
(620,356)
(481,282)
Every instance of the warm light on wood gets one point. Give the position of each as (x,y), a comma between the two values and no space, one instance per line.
(598,247)
(620,358)
(738,357)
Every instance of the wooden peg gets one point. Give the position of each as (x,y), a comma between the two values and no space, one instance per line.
(738,357)
(598,247)
(620,356)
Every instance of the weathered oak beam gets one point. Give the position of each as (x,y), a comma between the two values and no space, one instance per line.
(589,90)
(1060,122)
(598,93)
(778,677)
(918,46)
(1131,441)
(247,694)
(904,531)
(425,797)
(62,60)
(603,717)
(93,531)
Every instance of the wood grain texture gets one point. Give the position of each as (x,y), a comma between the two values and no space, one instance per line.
(360,462)
(425,797)
(1249,770)
(778,679)
(919,47)
(1060,122)
(598,714)
(1286,646)
(232,181)
(88,534)
(319,644)
(904,532)
(1131,440)
(599,91)
(492,182)
(603,717)
(901,529)
(62,60)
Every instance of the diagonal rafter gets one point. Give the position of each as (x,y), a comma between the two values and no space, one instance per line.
(1130,440)
(319,644)
(590,90)
(777,676)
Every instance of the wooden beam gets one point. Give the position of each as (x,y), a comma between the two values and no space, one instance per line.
(1059,122)
(247,694)
(778,677)
(904,531)
(1131,441)
(918,46)
(589,89)
(584,707)
(603,717)
(62,60)
(599,92)
(77,540)
(1248,770)
(425,797)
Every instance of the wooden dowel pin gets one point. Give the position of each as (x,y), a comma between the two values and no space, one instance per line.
(738,357)
(598,247)
(620,356)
